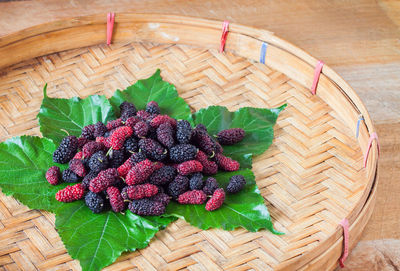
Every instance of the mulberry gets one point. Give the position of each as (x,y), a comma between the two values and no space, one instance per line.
(118,138)
(141,129)
(69,176)
(209,167)
(236,183)
(163,175)
(104,179)
(98,161)
(86,180)
(230,136)
(140,191)
(145,207)
(216,200)
(162,198)
(201,139)
(178,186)
(53,175)
(226,163)
(196,181)
(95,202)
(132,121)
(104,141)
(127,110)
(76,165)
(131,145)
(153,108)
(88,132)
(190,167)
(70,193)
(66,150)
(113,124)
(99,129)
(139,172)
(82,141)
(152,149)
(165,135)
(116,201)
(160,119)
(182,152)
(78,155)
(137,157)
(210,186)
(192,197)
(124,168)
(144,115)
(116,158)
(91,147)
(183,132)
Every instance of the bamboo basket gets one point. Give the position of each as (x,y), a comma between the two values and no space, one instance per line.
(311,177)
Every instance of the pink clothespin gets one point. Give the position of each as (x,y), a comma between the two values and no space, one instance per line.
(110,26)
(225,30)
(317,73)
(371,139)
(345,225)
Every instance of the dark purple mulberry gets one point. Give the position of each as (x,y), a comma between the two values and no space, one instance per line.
(127,110)
(152,149)
(98,161)
(210,186)
(82,141)
(99,129)
(165,135)
(183,131)
(86,180)
(116,158)
(161,197)
(201,139)
(153,108)
(141,129)
(182,152)
(178,186)
(69,176)
(230,136)
(146,207)
(137,157)
(66,150)
(95,202)
(236,183)
(88,132)
(196,181)
(163,175)
(131,145)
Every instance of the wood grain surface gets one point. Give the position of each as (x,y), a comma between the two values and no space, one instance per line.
(359,39)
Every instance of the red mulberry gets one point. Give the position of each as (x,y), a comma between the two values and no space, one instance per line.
(116,201)
(113,124)
(132,121)
(160,119)
(216,200)
(152,149)
(104,140)
(146,207)
(230,136)
(124,168)
(236,184)
(192,197)
(82,141)
(78,155)
(144,115)
(153,108)
(165,135)
(118,138)
(226,163)
(209,167)
(104,179)
(91,147)
(141,129)
(140,191)
(190,167)
(76,165)
(201,139)
(53,175)
(70,193)
(66,150)
(139,172)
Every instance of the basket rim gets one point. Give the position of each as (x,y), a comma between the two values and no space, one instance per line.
(18,38)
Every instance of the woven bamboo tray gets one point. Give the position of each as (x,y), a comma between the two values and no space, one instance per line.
(311,177)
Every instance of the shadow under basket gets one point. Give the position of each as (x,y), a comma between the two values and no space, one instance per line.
(311,178)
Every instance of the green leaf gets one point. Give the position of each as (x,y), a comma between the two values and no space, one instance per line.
(97,240)
(245,209)
(72,115)
(23,164)
(153,89)
(258,124)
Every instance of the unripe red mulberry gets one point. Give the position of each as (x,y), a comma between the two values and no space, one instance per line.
(53,175)
(202,140)
(216,200)
(70,193)
(230,136)
(104,140)
(160,119)
(76,165)
(209,167)
(78,155)
(140,172)
(91,148)
(124,168)
(144,115)
(116,201)
(117,139)
(132,121)
(190,167)
(192,197)
(104,179)
(113,124)
(226,163)
(139,191)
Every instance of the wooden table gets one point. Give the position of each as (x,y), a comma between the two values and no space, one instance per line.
(359,39)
